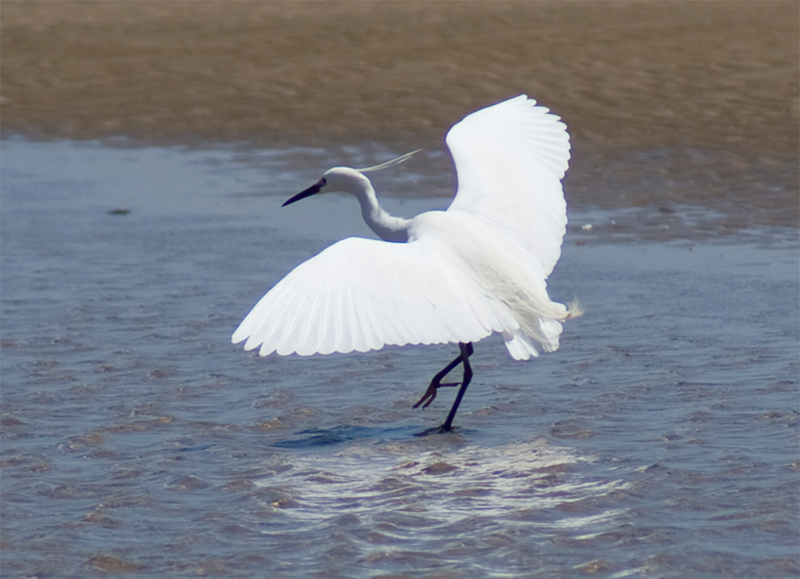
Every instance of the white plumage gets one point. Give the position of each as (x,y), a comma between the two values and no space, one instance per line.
(444,276)
(477,268)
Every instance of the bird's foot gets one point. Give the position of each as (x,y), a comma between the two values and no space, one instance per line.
(436,430)
(430,393)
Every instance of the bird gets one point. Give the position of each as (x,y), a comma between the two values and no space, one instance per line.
(457,276)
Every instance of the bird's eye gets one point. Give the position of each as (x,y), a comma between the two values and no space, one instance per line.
(323,181)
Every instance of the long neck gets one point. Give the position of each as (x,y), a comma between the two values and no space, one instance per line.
(387,227)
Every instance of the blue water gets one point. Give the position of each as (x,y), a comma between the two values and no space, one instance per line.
(661,440)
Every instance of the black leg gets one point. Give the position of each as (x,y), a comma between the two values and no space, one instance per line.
(466,352)
(436,383)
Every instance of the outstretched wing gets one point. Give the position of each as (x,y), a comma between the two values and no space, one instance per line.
(360,294)
(510,158)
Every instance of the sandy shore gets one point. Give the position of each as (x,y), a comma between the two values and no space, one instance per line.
(623,75)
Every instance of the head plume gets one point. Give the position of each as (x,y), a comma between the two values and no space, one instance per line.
(391,163)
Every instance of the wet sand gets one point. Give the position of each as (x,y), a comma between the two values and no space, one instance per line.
(622,74)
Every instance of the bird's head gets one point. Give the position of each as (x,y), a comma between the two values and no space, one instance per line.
(339,179)
(344,179)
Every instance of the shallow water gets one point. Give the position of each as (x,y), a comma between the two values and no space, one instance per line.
(660,440)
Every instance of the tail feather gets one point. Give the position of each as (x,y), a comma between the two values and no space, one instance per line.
(574,310)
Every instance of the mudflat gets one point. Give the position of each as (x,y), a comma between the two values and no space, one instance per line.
(623,74)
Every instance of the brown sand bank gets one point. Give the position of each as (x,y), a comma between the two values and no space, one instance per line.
(623,74)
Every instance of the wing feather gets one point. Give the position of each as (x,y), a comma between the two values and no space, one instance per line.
(361,294)
(325,336)
(369,340)
(510,158)
(351,335)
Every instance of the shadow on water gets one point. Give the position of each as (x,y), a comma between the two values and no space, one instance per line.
(200,448)
(319,437)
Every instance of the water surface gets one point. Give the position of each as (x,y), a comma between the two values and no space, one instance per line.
(660,440)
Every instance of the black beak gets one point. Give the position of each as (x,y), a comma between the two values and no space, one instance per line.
(315,188)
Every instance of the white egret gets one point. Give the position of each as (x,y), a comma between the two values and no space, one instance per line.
(458,275)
